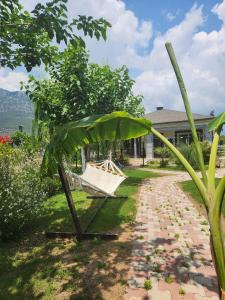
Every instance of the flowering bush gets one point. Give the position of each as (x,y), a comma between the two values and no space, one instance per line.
(21,192)
(26,142)
(5,139)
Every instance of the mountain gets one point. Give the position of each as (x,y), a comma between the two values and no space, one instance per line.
(15,109)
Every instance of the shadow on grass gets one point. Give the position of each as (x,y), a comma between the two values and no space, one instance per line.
(41,269)
(36,268)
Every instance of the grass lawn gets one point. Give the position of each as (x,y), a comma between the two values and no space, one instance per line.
(189,187)
(167,168)
(33,267)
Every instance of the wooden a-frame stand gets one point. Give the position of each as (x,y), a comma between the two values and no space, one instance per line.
(78,233)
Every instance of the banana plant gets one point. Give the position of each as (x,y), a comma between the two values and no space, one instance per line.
(212,194)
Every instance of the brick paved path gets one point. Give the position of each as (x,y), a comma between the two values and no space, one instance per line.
(171,246)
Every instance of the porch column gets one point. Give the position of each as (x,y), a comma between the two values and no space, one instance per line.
(83,162)
(135,148)
(149,147)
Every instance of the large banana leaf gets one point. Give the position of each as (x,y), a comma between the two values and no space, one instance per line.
(118,125)
(218,122)
(67,139)
(73,135)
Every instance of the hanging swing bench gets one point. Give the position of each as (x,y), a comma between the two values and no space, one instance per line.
(101,180)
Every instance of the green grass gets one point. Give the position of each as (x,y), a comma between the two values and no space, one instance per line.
(112,214)
(33,267)
(189,187)
(168,168)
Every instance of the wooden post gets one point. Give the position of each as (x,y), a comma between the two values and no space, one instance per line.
(76,159)
(98,152)
(69,199)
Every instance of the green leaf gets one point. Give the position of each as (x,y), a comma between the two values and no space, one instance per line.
(119,125)
(217,123)
(74,135)
(104,34)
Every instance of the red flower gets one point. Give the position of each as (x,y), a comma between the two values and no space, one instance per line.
(5,139)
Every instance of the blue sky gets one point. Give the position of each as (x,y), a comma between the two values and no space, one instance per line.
(167,13)
(137,39)
(157,10)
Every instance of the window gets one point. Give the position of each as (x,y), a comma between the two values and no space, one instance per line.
(185,137)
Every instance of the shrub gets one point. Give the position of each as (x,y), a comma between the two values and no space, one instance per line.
(163,153)
(222,140)
(148,284)
(52,186)
(181,291)
(189,153)
(28,143)
(152,162)
(124,161)
(21,192)
(206,149)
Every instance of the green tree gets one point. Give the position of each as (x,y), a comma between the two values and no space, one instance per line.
(26,37)
(76,89)
(110,91)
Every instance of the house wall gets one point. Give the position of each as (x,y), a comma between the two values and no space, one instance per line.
(168,130)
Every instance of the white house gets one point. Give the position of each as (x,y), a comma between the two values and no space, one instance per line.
(172,124)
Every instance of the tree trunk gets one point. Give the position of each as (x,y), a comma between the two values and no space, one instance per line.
(98,152)
(76,159)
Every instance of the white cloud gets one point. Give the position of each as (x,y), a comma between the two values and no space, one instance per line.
(126,37)
(170,16)
(219,9)
(128,34)
(201,57)
(10,80)
(201,54)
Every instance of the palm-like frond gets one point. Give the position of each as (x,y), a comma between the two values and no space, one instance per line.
(70,137)
(218,122)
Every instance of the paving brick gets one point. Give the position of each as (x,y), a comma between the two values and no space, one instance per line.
(173,235)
